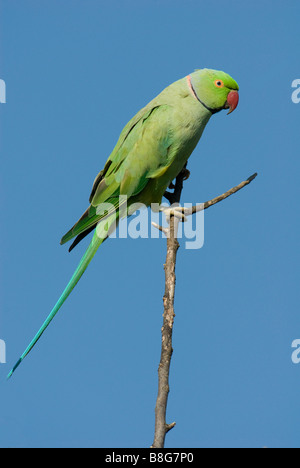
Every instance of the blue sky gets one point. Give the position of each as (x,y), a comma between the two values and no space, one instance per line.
(76,72)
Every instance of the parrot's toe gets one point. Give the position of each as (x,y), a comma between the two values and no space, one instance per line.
(176,211)
(186,174)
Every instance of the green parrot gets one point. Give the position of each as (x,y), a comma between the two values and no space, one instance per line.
(152,150)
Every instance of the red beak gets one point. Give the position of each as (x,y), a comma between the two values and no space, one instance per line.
(232,101)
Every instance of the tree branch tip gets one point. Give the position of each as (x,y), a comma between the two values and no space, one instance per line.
(161,228)
(170,426)
(252,177)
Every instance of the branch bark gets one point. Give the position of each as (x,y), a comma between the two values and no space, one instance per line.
(161,427)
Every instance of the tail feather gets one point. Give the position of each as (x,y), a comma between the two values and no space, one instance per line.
(102,232)
(80,237)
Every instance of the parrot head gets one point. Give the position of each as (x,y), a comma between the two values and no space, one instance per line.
(215,89)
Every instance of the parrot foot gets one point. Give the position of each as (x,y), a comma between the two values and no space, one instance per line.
(176,211)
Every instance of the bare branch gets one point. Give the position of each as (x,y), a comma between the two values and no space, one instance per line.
(214,201)
(161,427)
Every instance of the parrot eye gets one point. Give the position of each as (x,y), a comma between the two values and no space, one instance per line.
(219,83)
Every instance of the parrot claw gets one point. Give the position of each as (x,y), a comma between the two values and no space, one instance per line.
(176,211)
(186,174)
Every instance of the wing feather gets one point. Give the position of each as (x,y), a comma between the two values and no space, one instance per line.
(141,153)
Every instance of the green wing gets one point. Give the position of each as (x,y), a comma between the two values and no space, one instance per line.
(142,152)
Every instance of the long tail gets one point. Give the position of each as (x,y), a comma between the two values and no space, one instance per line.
(102,232)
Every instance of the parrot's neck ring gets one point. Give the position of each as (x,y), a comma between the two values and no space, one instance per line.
(195,95)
